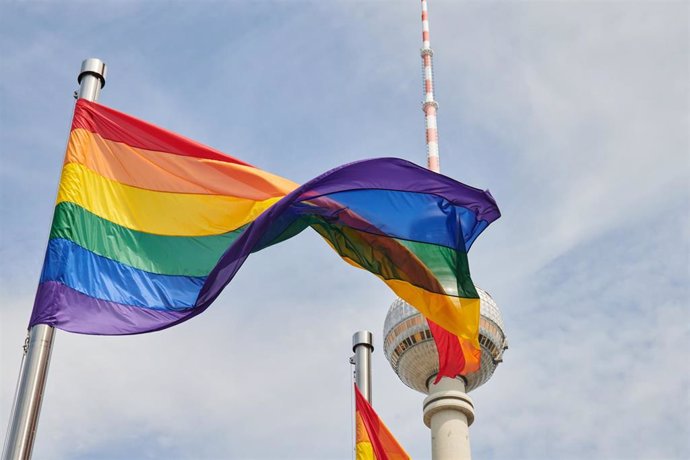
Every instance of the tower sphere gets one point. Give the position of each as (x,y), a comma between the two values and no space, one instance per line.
(411,351)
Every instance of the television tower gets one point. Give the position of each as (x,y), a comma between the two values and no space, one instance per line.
(408,343)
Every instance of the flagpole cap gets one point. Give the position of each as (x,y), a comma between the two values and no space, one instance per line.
(365,338)
(95,67)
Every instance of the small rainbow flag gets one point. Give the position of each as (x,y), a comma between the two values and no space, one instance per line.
(373,440)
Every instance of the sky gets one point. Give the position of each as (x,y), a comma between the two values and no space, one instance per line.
(574,114)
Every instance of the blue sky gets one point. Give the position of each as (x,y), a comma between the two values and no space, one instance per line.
(574,114)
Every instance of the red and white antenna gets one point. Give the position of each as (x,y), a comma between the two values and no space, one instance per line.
(430,106)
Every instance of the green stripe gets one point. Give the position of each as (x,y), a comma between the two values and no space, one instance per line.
(167,255)
(449,269)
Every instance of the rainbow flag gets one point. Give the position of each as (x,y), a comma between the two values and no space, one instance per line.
(149,227)
(373,440)
(407,225)
(142,217)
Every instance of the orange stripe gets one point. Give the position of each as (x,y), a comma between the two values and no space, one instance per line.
(363,448)
(472,354)
(160,171)
(360,432)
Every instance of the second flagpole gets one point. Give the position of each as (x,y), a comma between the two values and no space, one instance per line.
(363,346)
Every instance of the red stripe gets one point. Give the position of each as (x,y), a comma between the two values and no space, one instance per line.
(451,360)
(119,127)
(425,36)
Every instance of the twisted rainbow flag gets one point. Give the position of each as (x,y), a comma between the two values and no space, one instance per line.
(407,225)
(150,226)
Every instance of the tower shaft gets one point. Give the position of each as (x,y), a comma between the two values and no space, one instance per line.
(448,412)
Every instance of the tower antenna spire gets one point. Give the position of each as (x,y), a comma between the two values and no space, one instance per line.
(430,106)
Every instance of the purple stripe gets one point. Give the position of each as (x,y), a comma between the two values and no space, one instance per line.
(402,175)
(69,310)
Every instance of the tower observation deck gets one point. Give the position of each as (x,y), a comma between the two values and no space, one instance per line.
(411,351)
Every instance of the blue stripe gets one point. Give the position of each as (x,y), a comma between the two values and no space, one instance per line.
(478,229)
(414,216)
(106,279)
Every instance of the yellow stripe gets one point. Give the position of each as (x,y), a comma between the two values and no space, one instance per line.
(364,451)
(161,213)
(458,315)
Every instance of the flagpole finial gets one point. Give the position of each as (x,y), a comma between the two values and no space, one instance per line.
(91,78)
(362,338)
(363,346)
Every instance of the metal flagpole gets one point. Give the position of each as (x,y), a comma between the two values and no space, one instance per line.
(363,346)
(21,431)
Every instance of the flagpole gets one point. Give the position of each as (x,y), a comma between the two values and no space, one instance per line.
(33,372)
(363,346)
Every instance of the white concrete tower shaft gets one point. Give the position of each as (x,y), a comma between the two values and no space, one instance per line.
(448,411)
